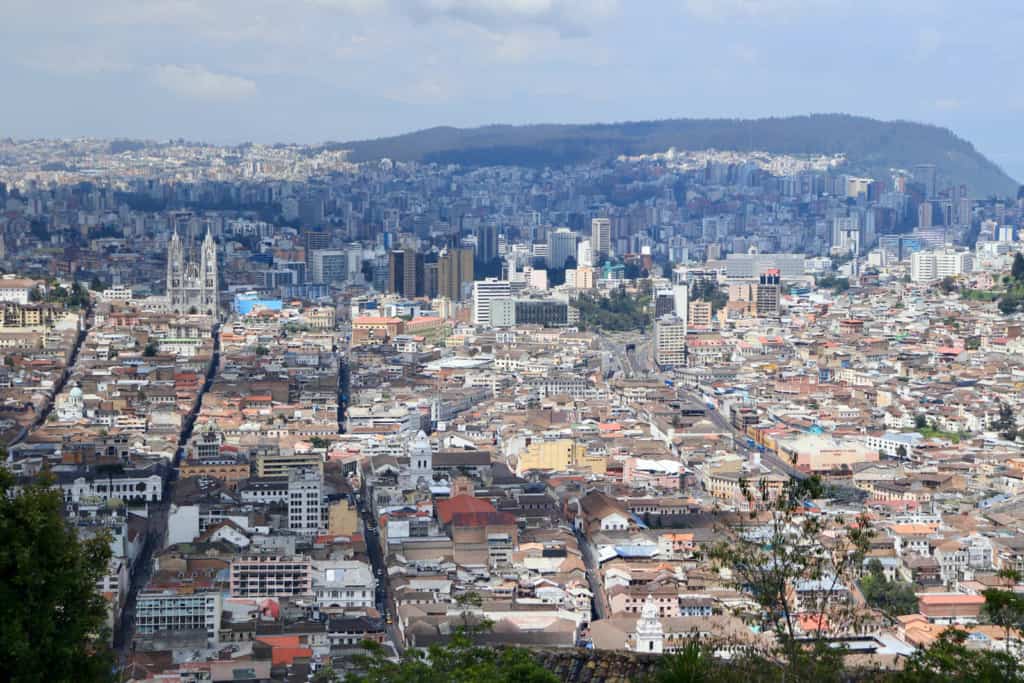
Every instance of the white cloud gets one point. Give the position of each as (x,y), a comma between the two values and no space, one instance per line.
(947,104)
(779,9)
(197,82)
(567,17)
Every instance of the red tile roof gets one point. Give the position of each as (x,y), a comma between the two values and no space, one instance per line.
(461,504)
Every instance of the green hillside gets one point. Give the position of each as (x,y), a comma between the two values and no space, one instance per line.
(871,147)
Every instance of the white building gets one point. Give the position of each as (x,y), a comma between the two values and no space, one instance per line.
(344,584)
(600,238)
(670,341)
(169,611)
(928,266)
(484,292)
(305,502)
(561,247)
(15,289)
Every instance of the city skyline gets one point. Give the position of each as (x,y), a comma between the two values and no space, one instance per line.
(348,70)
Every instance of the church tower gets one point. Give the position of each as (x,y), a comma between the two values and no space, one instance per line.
(650,634)
(421,460)
(208,271)
(175,270)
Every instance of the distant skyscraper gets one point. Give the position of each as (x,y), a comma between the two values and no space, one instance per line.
(600,238)
(406,273)
(486,242)
(561,247)
(924,215)
(584,254)
(926,175)
(454,268)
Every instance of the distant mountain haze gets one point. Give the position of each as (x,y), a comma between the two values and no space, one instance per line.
(871,147)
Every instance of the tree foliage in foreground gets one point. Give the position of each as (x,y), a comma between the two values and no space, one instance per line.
(52,619)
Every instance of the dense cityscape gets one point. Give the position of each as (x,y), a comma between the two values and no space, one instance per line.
(312,402)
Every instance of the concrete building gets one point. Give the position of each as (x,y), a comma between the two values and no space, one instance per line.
(254,576)
(169,611)
(305,502)
(670,341)
(927,266)
(484,292)
(561,247)
(600,239)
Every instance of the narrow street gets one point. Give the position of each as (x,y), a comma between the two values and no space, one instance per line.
(157,514)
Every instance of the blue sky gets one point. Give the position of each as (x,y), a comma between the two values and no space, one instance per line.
(312,70)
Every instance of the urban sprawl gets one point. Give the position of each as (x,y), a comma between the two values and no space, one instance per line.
(316,402)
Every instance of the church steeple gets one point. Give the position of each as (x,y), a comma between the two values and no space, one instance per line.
(650,634)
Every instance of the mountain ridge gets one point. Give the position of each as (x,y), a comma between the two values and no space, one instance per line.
(871,146)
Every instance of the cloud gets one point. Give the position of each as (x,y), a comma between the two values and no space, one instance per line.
(198,83)
(570,18)
(947,104)
(718,10)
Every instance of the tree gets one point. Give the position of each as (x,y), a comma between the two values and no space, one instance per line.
(319,442)
(52,619)
(901,452)
(894,598)
(151,349)
(785,553)
(1017,269)
(949,659)
(1006,423)
(458,661)
(920,421)
(947,285)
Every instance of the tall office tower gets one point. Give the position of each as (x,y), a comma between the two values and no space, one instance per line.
(584,254)
(454,269)
(193,287)
(484,293)
(924,215)
(328,266)
(486,242)
(305,501)
(311,210)
(600,239)
(926,175)
(561,247)
(681,300)
(964,211)
(768,293)
(406,273)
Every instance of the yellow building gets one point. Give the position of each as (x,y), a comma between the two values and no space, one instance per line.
(559,455)
(342,519)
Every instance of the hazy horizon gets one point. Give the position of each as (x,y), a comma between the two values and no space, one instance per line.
(317,70)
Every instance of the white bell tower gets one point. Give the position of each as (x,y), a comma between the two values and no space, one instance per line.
(650,635)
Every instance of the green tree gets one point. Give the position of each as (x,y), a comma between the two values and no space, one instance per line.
(52,619)
(786,551)
(457,661)
(947,285)
(1006,423)
(893,598)
(1017,269)
(949,659)
(901,452)
(319,442)
(920,421)
(151,349)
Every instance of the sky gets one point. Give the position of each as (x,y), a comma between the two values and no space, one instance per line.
(228,71)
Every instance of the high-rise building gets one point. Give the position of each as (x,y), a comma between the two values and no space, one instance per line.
(600,238)
(561,247)
(484,292)
(305,502)
(328,266)
(584,254)
(670,341)
(454,269)
(768,294)
(924,215)
(406,273)
(193,287)
(486,242)
(926,175)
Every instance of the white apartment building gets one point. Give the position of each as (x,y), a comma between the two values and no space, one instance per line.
(484,292)
(561,247)
(171,611)
(928,266)
(254,576)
